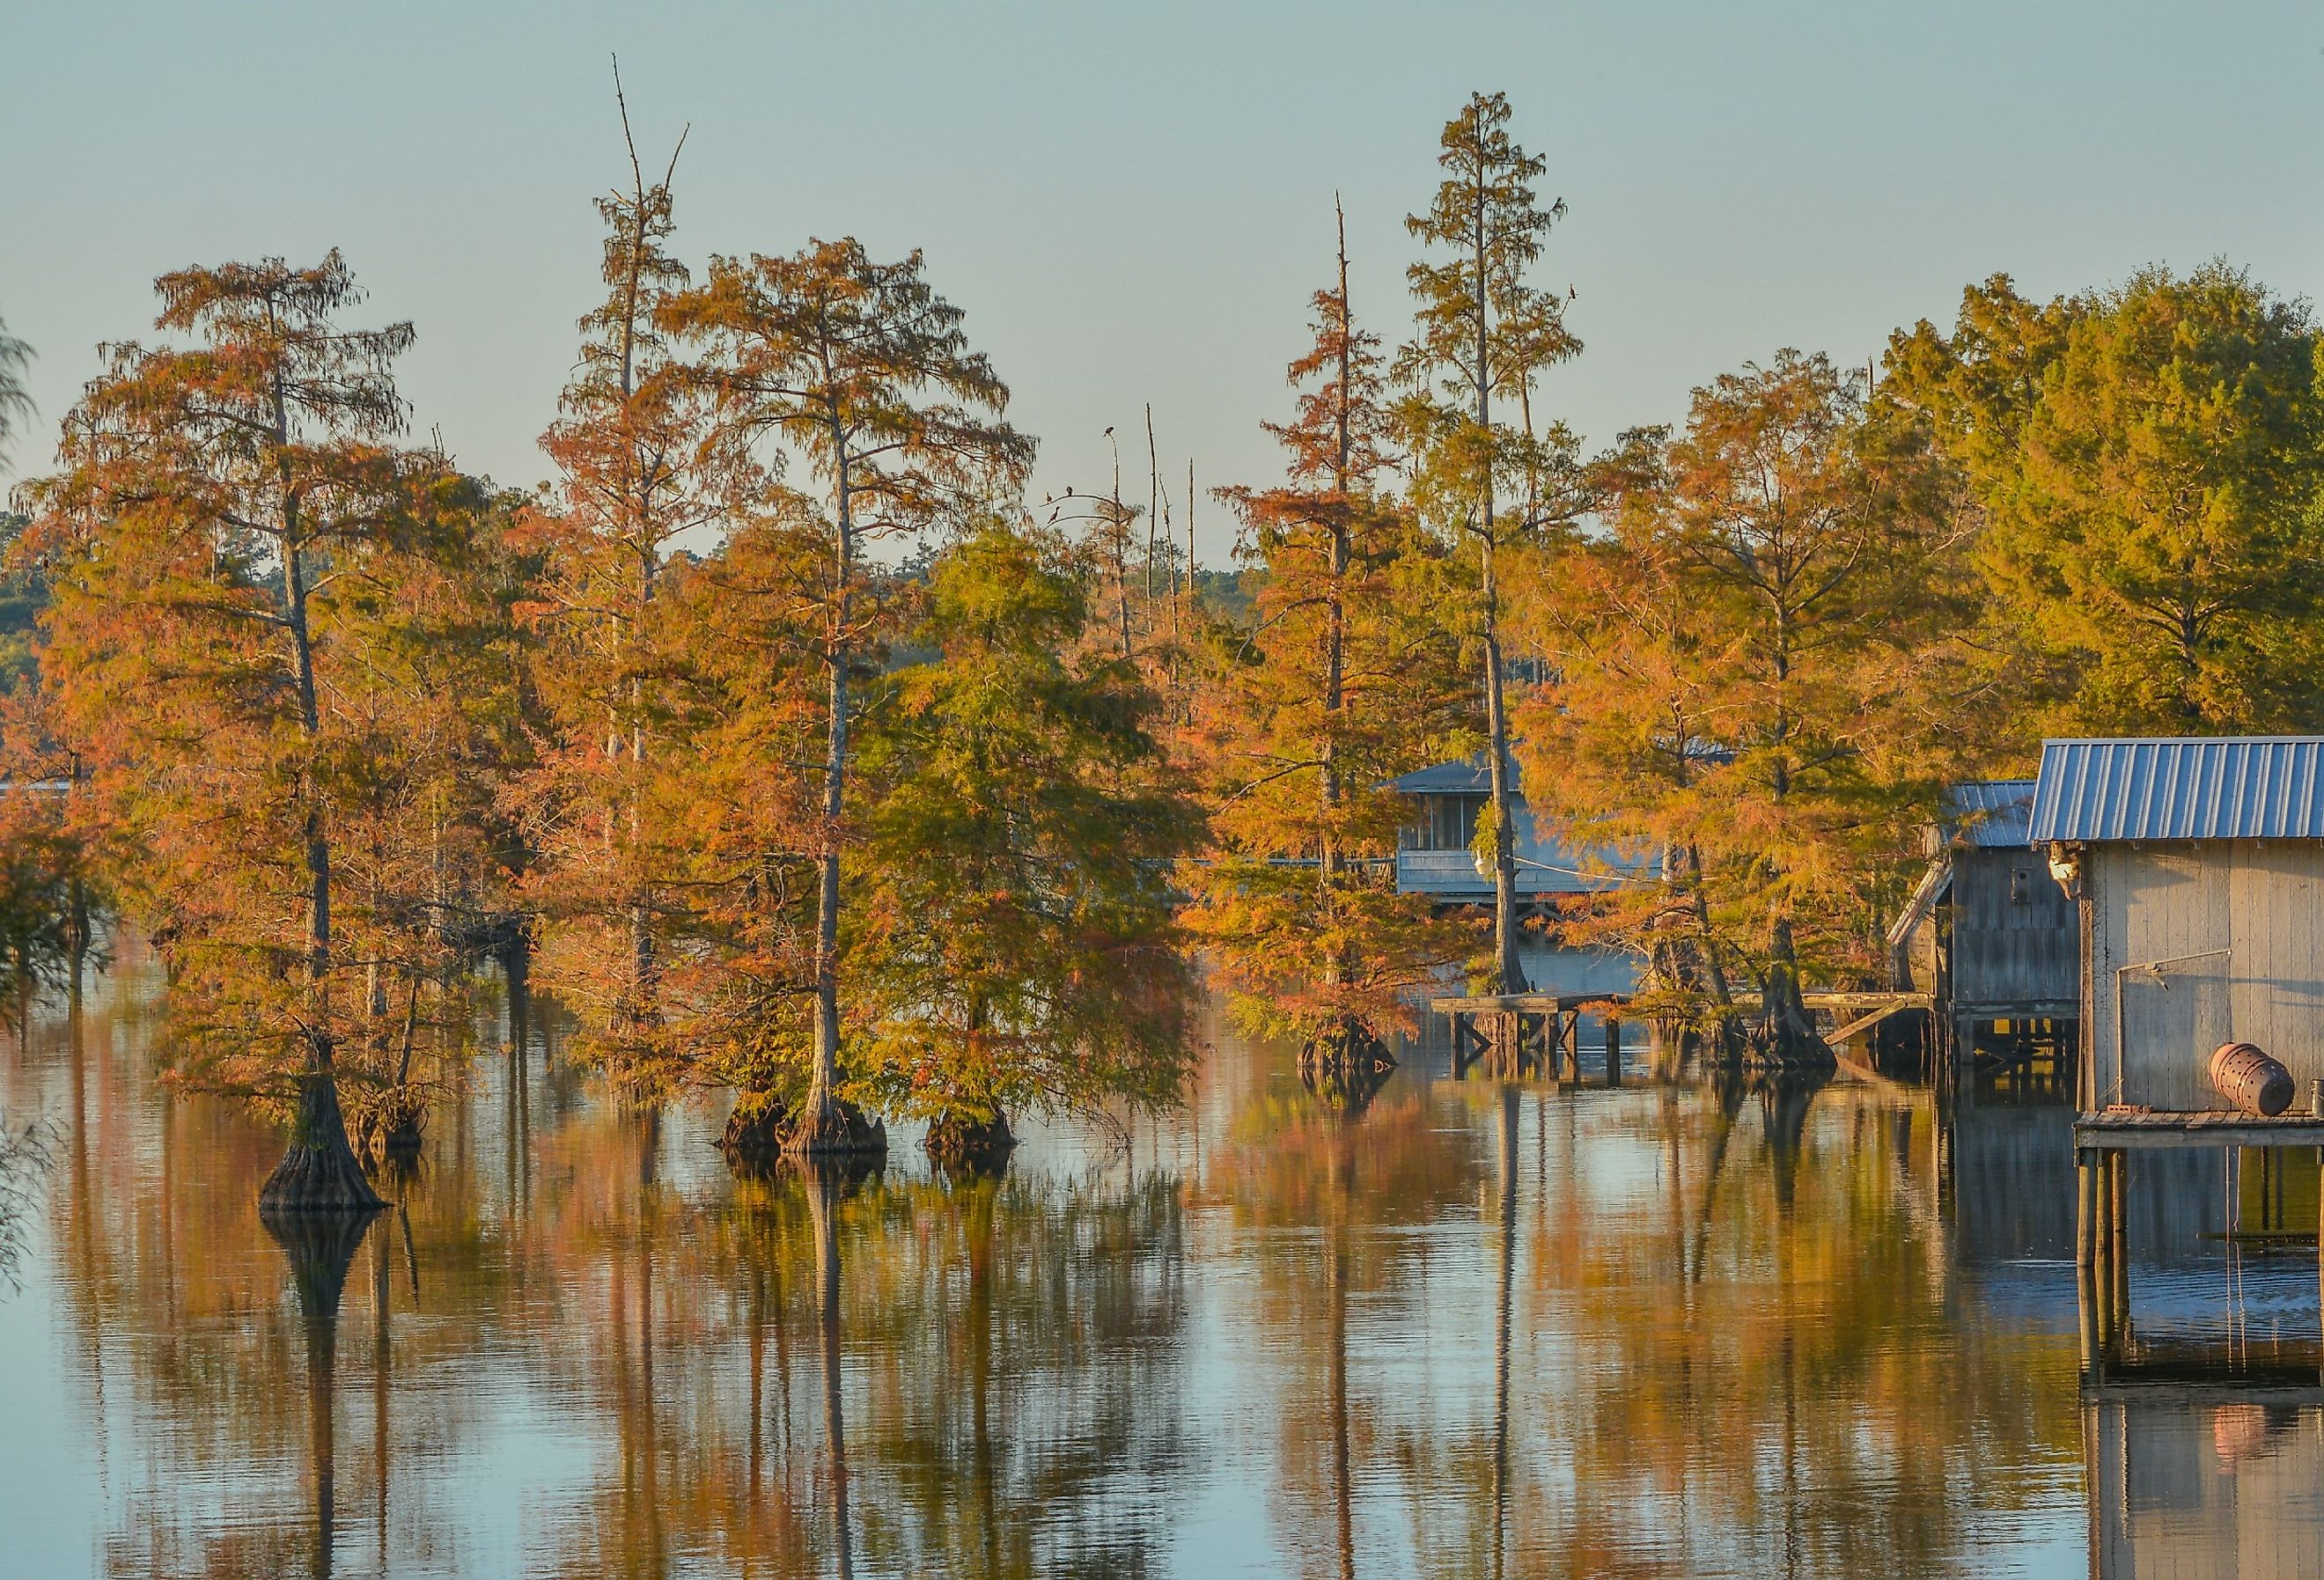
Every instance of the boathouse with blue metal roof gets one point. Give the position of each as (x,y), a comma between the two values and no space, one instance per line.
(1992,938)
(2199,867)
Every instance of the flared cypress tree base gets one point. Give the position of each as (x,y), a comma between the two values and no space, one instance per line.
(833,1128)
(396,1128)
(319,1173)
(971,1145)
(755,1133)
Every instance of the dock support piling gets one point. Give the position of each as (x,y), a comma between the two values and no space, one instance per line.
(1613,1051)
(2086,1214)
(2086,1303)
(2118,1242)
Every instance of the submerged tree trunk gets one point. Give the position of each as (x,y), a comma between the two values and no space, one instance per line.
(1346,1065)
(1785,1035)
(756,1132)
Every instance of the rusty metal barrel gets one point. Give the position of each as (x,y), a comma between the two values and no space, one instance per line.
(2245,1076)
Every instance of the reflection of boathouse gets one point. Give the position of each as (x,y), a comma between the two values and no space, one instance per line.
(2208,1475)
(1991,935)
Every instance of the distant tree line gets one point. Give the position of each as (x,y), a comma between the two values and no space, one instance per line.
(801,757)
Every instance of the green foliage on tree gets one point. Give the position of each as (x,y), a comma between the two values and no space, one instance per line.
(1011,947)
(2148,463)
(858,373)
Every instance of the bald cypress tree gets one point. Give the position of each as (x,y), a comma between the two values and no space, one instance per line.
(857,373)
(1342,683)
(1484,331)
(229,509)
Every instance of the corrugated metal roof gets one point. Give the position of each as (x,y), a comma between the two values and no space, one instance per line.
(1467,777)
(2252,787)
(1989,814)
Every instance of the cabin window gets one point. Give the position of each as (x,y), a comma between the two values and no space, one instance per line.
(2021,885)
(1444,823)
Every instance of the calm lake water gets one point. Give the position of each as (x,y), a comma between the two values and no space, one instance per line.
(1474,1330)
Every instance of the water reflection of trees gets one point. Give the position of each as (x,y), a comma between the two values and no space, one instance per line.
(1656,1331)
(1789,1391)
(1008,1350)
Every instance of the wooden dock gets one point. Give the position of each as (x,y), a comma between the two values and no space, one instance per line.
(2103,1143)
(2142,1130)
(1515,1034)
(1511,1035)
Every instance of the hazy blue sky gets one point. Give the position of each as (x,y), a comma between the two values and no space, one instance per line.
(1134,203)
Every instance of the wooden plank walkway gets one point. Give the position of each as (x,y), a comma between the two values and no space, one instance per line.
(1526,1002)
(2144,1131)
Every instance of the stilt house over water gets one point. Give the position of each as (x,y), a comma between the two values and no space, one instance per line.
(1989,935)
(1435,852)
(2199,868)
(1436,856)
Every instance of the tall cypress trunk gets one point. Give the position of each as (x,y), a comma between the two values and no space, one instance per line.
(1336,635)
(825,1077)
(1785,1035)
(1509,971)
(319,1171)
(825,1123)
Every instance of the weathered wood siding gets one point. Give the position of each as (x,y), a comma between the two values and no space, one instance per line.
(2008,950)
(2236,924)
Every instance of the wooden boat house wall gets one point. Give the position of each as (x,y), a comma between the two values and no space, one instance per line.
(2199,868)
(1988,933)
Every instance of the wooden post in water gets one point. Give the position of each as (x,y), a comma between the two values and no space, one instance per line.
(1613,1051)
(2102,1264)
(1573,1045)
(2086,1218)
(2118,1229)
